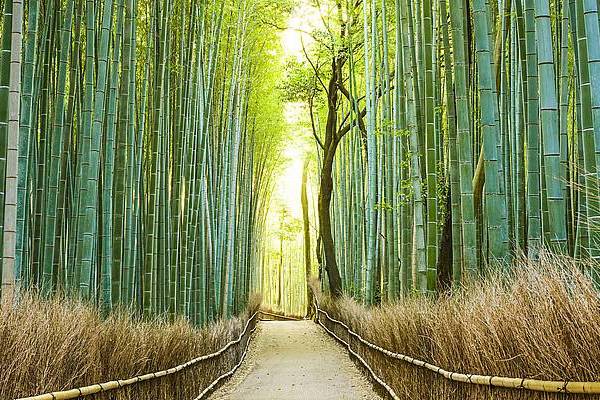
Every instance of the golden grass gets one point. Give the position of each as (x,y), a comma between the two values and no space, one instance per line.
(63,344)
(542,321)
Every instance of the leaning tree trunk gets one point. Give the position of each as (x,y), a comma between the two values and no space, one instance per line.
(326,185)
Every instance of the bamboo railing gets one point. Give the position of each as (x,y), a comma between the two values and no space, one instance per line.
(279,316)
(567,387)
(120,383)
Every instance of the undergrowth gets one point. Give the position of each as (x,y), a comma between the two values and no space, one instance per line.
(62,344)
(540,321)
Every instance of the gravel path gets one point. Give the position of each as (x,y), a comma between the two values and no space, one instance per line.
(295,360)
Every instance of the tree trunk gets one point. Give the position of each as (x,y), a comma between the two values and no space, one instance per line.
(326,188)
(326,184)
(446,254)
(280,270)
(306,223)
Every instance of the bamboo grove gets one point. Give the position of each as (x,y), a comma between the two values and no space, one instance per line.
(143,154)
(285,276)
(454,136)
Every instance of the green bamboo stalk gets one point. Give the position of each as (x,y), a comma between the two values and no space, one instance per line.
(111,279)
(420,260)
(371,107)
(592,29)
(495,204)
(12,151)
(25,139)
(464,140)
(549,126)
(5,61)
(454,164)
(430,146)
(534,229)
(56,152)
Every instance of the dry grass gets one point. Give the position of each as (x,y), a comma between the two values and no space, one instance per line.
(61,344)
(542,321)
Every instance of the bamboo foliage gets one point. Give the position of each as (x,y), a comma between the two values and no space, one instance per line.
(139,150)
(493,147)
(133,136)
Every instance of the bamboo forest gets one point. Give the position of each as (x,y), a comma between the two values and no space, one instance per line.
(345,199)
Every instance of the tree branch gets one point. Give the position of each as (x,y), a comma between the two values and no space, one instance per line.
(347,128)
(361,114)
(312,123)
(284,28)
(354,105)
(325,24)
(315,69)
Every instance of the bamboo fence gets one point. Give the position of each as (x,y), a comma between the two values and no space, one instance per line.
(120,383)
(567,387)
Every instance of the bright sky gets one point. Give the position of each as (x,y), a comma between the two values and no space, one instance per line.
(305,18)
(289,182)
(287,186)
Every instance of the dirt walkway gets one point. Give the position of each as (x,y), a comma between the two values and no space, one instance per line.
(296,360)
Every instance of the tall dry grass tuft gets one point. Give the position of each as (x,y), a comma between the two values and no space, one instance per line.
(62,344)
(541,321)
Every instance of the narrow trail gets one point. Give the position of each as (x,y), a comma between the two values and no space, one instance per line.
(295,360)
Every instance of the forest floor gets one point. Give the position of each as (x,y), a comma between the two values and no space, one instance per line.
(296,360)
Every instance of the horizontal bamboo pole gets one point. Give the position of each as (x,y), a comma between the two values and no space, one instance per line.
(488,380)
(228,373)
(364,363)
(112,385)
(279,315)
